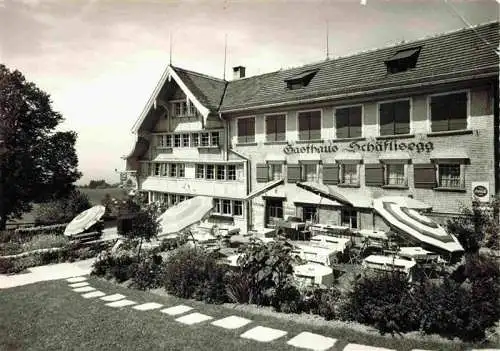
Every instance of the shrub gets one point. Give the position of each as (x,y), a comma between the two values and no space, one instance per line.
(45,241)
(62,210)
(269,270)
(328,303)
(384,301)
(147,274)
(6,266)
(194,273)
(238,287)
(10,248)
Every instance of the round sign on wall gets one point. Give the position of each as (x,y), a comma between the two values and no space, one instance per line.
(480,191)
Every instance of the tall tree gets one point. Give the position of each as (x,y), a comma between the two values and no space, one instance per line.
(36,163)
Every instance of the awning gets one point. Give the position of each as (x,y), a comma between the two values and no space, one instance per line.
(351,198)
(275,157)
(302,196)
(408,202)
(455,154)
(416,227)
(85,220)
(348,156)
(398,156)
(185,214)
(262,189)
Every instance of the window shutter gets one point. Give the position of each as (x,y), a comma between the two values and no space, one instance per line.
(270,129)
(342,123)
(355,123)
(374,174)
(281,128)
(424,176)
(315,125)
(439,114)
(402,117)
(386,119)
(262,173)
(304,125)
(330,174)
(293,173)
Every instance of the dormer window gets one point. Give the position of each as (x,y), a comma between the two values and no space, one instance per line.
(300,80)
(403,60)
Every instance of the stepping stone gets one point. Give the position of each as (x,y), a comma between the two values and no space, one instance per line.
(148,306)
(121,303)
(359,347)
(263,334)
(312,341)
(76,279)
(232,322)
(79,285)
(93,294)
(194,318)
(84,289)
(114,297)
(173,311)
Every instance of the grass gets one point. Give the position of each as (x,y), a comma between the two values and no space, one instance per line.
(51,316)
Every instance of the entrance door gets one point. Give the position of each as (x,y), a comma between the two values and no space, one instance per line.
(274,211)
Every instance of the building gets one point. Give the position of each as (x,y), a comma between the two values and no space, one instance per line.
(419,119)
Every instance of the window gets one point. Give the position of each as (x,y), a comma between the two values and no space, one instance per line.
(173,170)
(349,174)
(309,172)
(395,174)
(310,125)
(275,171)
(214,139)
(160,140)
(210,172)
(168,140)
(181,170)
(221,172)
(204,139)
(231,172)
(217,205)
(195,140)
(449,176)
(276,128)
(226,207)
(395,117)
(348,122)
(300,80)
(246,130)
(449,112)
(309,213)
(200,171)
(349,218)
(177,140)
(403,60)
(185,140)
(274,209)
(164,170)
(157,169)
(180,108)
(191,109)
(238,208)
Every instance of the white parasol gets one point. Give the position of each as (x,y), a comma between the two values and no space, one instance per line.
(85,220)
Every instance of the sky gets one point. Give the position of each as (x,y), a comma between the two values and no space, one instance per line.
(100,60)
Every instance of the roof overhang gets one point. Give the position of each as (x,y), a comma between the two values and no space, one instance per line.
(140,147)
(167,75)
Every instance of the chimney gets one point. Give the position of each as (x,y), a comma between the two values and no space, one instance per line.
(238,72)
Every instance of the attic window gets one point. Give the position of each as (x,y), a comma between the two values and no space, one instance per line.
(300,80)
(403,60)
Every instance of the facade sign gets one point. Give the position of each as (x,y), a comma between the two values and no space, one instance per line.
(355,146)
(480,191)
(128,180)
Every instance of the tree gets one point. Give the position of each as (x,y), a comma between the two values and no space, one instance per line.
(38,164)
(144,225)
(62,210)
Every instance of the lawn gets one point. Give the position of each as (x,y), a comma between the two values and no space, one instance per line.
(96,195)
(51,316)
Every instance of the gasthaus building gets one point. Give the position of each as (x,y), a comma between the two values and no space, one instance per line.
(418,120)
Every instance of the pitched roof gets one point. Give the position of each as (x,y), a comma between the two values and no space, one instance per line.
(450,55)
(208,90)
